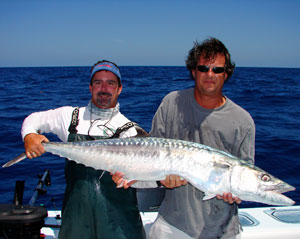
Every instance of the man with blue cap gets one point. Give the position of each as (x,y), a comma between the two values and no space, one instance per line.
(93,207)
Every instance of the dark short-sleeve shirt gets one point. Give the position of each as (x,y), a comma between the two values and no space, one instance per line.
(229,128)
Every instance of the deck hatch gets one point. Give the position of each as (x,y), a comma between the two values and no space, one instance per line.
(285,215)
(247,220)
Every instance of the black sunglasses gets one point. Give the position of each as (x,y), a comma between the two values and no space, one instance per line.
(215,69)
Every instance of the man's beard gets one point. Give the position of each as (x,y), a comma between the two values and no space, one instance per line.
(104,99)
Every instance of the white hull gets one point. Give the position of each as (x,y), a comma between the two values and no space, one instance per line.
(257,223)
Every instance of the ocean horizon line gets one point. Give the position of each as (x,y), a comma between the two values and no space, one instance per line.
(278,67)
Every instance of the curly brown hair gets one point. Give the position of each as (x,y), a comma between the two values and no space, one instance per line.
(208,49)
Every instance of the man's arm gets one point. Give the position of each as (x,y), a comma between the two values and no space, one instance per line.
(50,121)
(54,121)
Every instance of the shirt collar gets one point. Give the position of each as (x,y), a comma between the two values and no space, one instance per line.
(105,114)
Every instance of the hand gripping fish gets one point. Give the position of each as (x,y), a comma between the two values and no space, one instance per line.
(150,159)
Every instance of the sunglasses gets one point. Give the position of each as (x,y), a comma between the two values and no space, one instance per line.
(215,69)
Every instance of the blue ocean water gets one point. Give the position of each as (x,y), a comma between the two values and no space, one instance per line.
(270,95)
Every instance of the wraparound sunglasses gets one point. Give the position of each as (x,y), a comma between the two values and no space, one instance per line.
(215,69)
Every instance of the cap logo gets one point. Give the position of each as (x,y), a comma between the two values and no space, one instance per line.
(105,65)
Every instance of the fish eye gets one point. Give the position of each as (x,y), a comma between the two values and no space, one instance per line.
(265,177)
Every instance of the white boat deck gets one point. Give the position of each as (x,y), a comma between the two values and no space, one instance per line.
(258,223)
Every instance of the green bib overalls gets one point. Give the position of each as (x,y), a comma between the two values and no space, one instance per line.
(93,207)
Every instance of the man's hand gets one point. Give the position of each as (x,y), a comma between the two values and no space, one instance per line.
(33,145)
(173,181)
(227,197)
(117,177)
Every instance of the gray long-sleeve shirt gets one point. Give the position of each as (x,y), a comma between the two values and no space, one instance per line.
(229,128)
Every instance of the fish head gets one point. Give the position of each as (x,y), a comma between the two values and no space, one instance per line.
(251,183)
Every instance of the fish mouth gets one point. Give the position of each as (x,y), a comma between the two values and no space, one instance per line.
(281,188)
(274,194)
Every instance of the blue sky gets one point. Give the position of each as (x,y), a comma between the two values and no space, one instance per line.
(157,32)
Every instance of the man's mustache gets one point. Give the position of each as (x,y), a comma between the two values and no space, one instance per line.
(101,93)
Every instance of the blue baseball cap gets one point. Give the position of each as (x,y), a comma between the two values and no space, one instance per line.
(107,66)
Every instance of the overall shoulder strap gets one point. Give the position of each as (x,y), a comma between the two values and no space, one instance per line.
(140,131)
(74,121)
(121,129)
